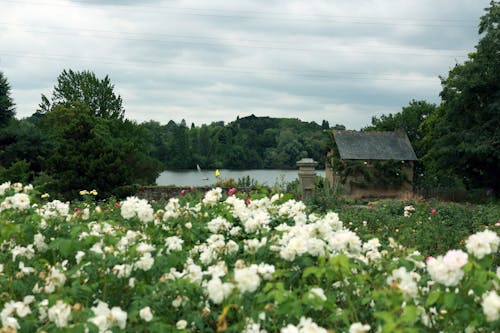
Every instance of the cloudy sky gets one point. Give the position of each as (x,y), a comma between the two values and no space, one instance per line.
(203,61)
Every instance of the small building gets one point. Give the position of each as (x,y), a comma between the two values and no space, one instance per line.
(371,164)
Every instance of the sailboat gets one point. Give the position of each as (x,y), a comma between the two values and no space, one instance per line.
(199,170)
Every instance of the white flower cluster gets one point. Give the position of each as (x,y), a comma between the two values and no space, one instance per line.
(317,293)
(54,208)
(56,278)
(408,210)
(247,238)
(482,243)
(254,327)
(325,236)
(146,261)
(134,206)
(12,309)
(491,305)
(172,209)
(4,187)
(16,187)
(39,242)
(306,325)
(246,279)
(105,318)
(447,270)
(252,245)
(22,251)
(254,217)
(217,290)
(213,196)
(173,243)
(210,251)
(218,224)
(404,281)
(146,314)
(19,201)
(60,313)
(295,210)
(359,328)
(371,251)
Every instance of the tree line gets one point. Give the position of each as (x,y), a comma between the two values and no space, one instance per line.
(79,137)
(246,143)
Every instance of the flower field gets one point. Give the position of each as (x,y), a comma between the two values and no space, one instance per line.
(226,263)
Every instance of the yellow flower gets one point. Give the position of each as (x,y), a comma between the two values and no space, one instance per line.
(93,192)
(45,195)
(217,173)
(84,192)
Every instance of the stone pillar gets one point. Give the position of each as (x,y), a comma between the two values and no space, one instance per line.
(307,174)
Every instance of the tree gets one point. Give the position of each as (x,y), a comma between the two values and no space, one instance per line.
(409,119)
(7,106)
(463,136)
(91,152)
(325,125)
(86,88)
(22,140)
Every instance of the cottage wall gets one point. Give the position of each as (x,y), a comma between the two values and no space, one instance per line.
(366,190)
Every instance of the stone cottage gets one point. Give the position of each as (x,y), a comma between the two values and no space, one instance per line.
(371,164)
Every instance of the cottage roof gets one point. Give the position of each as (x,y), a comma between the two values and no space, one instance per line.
(374,145)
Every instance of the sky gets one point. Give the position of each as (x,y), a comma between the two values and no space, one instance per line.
(214,60)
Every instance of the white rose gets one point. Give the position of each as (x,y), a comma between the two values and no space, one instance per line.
(181,324)
(146,314)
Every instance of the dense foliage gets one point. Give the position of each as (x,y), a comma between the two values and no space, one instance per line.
(246,143)
(463,137)
(458,141)
(91,151)
(85,87)
(6,103)
(80,139)
(235,264)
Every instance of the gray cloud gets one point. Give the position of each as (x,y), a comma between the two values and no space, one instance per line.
(202,62)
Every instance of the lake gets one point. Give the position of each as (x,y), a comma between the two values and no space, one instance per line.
(207,177)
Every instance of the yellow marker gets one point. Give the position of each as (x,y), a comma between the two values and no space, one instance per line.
(217,173)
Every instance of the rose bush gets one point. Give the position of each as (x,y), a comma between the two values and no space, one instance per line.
(226,263)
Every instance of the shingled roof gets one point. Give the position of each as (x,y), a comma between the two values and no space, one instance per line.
(374,145)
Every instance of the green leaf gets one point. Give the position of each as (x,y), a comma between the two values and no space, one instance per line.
(389,324)
(433,297)
(66,247)
(316,271)
(450,301)
(410,314)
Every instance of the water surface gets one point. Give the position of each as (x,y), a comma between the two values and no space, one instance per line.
(207,177)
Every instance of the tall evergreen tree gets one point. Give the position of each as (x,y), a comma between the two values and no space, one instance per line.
(7,106)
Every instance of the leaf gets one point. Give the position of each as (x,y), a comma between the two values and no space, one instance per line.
(432,298)
(66,247)
(410,314)
(316,271)
(450,300)
(389,324)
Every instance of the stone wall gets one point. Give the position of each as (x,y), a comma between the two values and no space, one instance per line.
(404,191)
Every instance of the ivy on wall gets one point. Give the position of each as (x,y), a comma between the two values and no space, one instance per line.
(363,173)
